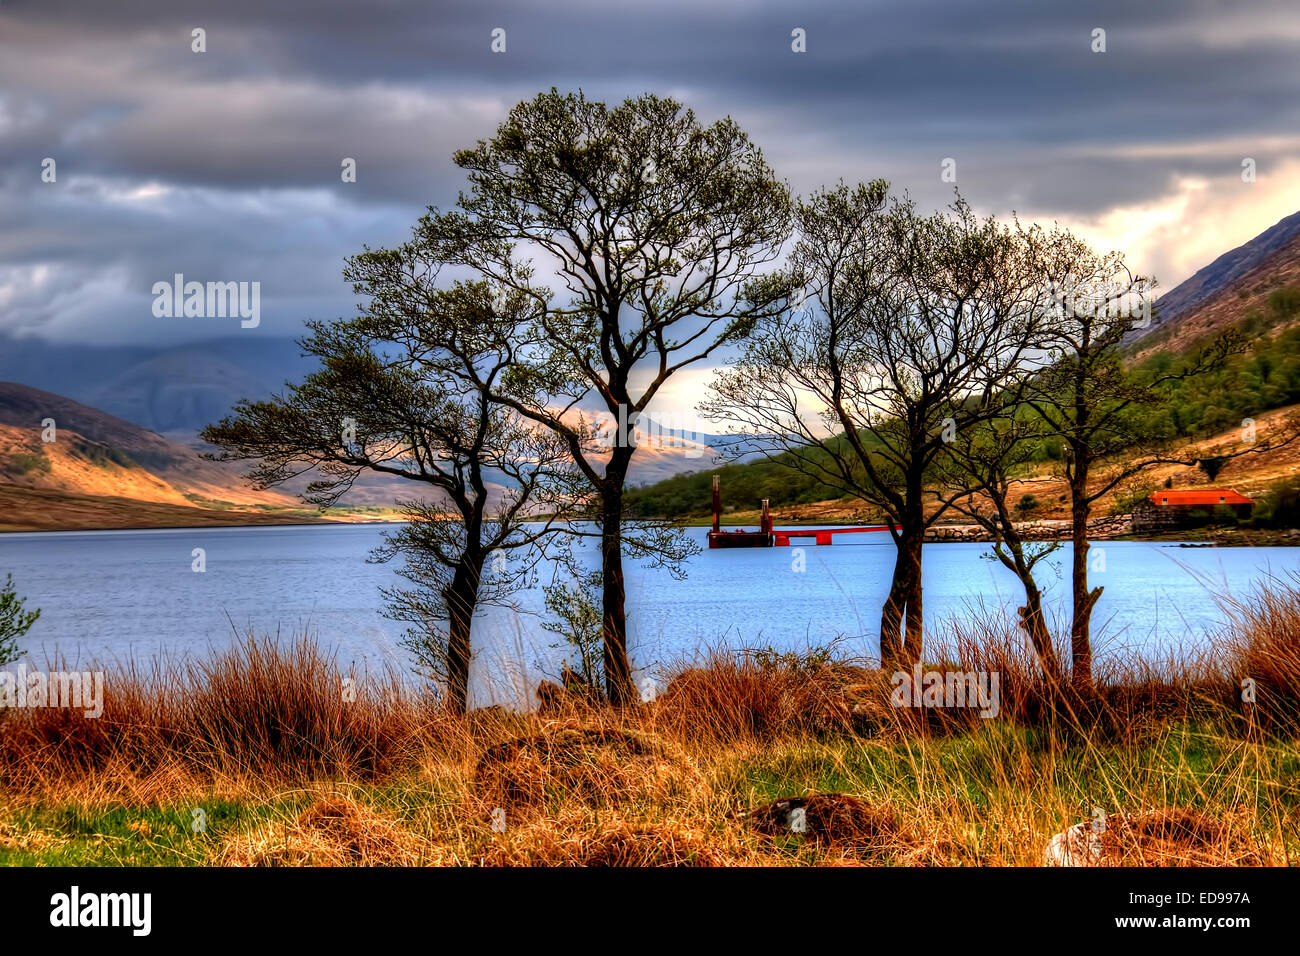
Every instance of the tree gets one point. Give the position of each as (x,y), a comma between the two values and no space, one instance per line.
(1097,406)
(909,328)
(980,479)
(576,617)
(14,621)
(658,227)
(405,390)
(1212,465)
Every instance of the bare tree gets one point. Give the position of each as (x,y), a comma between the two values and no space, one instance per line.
(658,227)
(910,326)
(1099,408)
(405,390)
(987,463)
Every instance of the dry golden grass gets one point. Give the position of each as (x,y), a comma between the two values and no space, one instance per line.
(316,771)
(601,766)
(575,840)
(1263,647)
(335,830)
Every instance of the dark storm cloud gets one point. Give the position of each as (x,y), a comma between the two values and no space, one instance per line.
(226,164)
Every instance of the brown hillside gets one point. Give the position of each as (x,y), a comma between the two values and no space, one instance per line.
(43,509)
(1229,305)
(78,465)
(97,454)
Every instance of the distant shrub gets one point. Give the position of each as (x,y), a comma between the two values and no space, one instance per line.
(1045,451)
(813,659)
(1133,497)
(1253,323)
(1285,302)
(24,463)
(1027,505)
(1224,515)
(102,455)
(1212,466)
(1280,506)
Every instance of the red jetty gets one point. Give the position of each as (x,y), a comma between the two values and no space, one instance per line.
(766,536)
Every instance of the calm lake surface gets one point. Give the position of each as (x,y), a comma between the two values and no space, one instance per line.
(114,596)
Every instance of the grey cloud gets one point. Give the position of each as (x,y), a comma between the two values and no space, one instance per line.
(248,136)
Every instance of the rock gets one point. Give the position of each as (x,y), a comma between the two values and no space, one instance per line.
(1165,837)
(831,818)
(1075,846)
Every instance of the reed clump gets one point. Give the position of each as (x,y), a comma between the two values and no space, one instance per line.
(299,762)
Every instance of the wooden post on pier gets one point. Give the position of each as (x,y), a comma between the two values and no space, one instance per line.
(717,503)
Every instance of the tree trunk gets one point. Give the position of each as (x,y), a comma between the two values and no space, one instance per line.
(461,597)
(1083,599)
(914,631)
(901,619)
(1032,619)
(618,672)
(1035,626)
(891,616)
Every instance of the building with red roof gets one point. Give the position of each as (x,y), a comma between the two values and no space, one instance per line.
(1200,498)
(1167,509)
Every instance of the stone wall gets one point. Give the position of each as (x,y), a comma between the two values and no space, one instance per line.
(1148,517)
(1101,527)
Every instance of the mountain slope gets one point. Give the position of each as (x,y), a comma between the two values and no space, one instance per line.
(161,389)
(1227,290)
(98,454)
(42,509)
(183,390)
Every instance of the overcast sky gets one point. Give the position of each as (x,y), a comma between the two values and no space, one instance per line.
(225,164)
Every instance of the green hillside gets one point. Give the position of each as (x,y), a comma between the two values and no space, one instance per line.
(1264,377)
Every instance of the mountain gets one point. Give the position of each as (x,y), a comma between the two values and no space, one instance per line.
(1254,287)
(178,389)
(146,404)
(94,453)
(700,445)
(1224,292)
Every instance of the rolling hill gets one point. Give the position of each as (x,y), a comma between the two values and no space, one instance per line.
(95,453)
(1226,291)
(179,389)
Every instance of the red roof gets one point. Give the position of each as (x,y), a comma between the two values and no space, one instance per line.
(1208,496)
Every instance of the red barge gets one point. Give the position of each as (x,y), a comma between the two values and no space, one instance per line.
(766,536)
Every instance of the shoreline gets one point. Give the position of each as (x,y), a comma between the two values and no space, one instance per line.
(1107,529)
(1217,538)
(25,510)
(210,526)
(1102,529)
